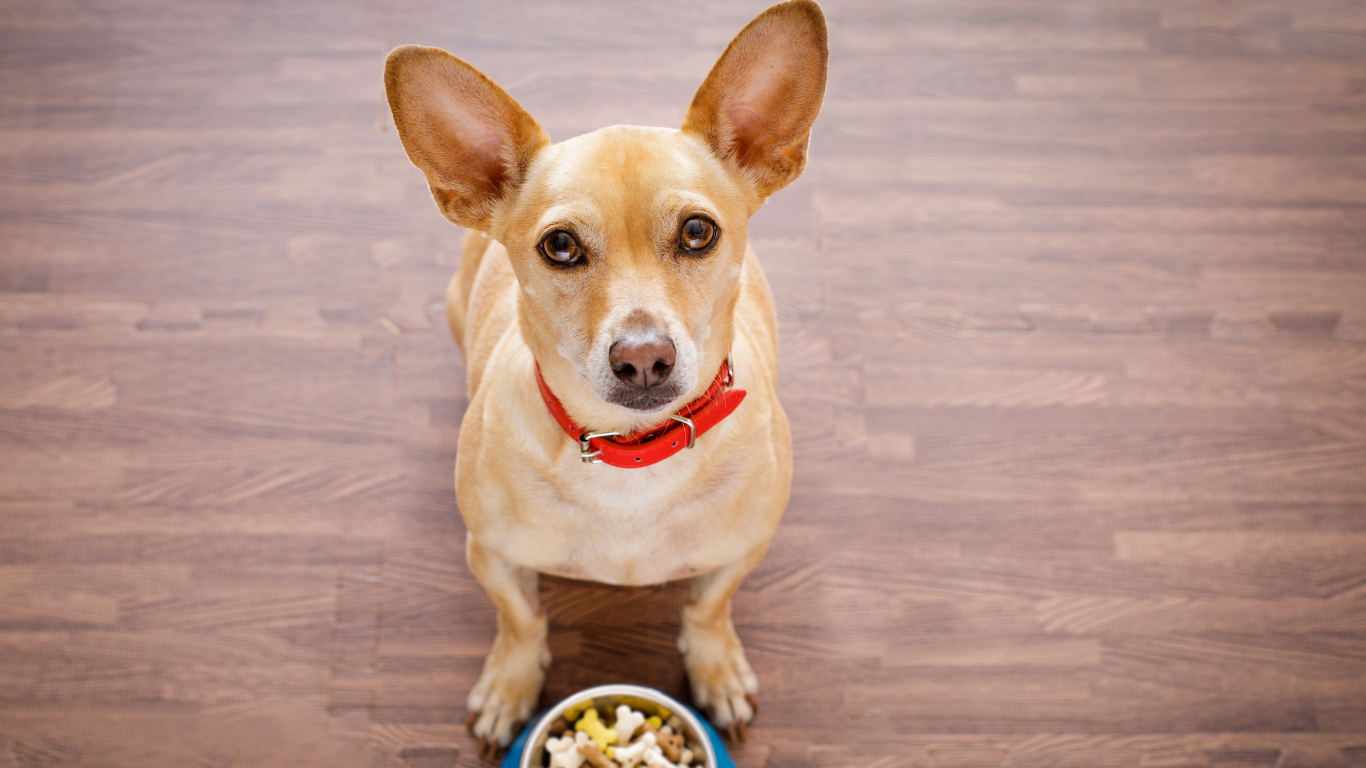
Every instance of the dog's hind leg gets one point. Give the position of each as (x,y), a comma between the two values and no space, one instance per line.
(722,681)
(514,671)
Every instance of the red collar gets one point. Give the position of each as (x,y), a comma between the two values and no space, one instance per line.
(657,443)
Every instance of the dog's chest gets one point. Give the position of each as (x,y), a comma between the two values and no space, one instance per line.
(631,527)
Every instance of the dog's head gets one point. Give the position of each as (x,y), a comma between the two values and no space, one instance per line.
(628,242)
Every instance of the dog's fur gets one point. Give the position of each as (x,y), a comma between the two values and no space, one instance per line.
(528,501)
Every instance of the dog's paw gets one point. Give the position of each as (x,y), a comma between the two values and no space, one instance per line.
(507,692)
(722,681)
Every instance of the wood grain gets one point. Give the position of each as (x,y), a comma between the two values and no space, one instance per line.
(1073,312)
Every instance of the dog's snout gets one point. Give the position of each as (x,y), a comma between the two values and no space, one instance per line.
(642,364)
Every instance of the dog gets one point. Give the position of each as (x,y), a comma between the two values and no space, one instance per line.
(621,346)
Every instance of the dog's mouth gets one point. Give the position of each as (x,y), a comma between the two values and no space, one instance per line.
(654,399)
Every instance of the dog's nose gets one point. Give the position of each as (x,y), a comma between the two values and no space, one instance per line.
(642,364)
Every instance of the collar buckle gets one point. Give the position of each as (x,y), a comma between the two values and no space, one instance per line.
(692,428)
(586,453)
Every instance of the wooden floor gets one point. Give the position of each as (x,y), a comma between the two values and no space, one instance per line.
(1073,301)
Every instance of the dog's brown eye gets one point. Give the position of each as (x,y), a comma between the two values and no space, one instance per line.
(561,247)
(697,234)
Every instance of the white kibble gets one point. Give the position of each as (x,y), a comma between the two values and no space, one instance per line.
(628,757)
(656,759)
(628,720)
(563,751)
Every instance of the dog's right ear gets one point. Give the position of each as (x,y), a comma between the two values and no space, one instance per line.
(472,140)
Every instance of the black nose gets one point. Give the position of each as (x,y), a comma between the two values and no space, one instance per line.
(642,364)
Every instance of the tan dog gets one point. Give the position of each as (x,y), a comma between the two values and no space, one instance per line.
(618,262)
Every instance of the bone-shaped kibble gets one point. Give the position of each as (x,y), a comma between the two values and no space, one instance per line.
(563,751)
(593,755)
(655,759)
(628,720)
(627,757)
(599,733)
(670,743)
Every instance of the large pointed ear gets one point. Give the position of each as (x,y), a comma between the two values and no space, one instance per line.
(470,138)
(757,105)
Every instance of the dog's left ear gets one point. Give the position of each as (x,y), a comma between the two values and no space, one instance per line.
(756,107)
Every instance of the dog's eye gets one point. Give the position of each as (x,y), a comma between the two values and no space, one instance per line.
(697,234)
(561,247)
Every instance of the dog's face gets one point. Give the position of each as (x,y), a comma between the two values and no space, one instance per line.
(628,242)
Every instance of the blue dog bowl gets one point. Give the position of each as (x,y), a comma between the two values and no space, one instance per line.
(528,749)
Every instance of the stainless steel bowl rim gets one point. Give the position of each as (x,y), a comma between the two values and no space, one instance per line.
(535,741)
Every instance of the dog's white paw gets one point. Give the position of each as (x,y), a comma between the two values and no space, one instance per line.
(722,681)
(507,691)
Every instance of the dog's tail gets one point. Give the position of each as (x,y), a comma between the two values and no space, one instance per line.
(458,291)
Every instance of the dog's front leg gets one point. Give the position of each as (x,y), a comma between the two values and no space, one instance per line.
(514,671)
(722,681)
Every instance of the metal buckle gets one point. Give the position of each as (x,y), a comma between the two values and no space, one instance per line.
(730,371)
(586,453)
(692,429)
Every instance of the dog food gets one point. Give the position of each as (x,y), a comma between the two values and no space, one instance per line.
(632,740)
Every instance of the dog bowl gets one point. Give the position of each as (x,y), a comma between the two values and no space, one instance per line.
(528,749)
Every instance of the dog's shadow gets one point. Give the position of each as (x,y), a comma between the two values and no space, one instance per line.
(602,634)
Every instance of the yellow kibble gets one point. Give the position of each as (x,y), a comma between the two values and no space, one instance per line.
(656,722)
(599,733)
